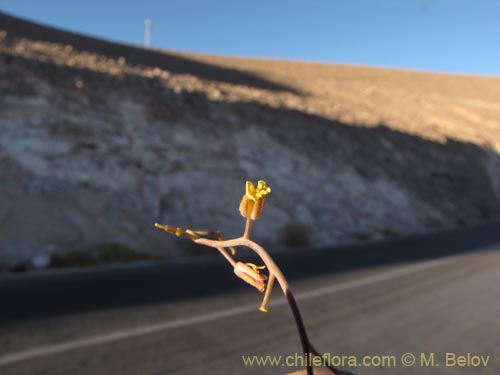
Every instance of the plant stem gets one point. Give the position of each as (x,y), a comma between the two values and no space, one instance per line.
(248,226)
(274,270)
(267,296)
(304,340)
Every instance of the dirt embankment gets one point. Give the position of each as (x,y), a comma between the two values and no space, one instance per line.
(99,140)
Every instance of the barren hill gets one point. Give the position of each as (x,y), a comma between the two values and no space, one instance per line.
(99,139)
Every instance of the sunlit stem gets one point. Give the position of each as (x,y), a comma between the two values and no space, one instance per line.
(248,227)
(222,250)
(231,248)
(276,272)
(267,296)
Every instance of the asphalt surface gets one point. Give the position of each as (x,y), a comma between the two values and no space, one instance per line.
(447,301)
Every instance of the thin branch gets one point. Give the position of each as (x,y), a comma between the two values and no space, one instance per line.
(275,271)
(248,227)
(267,296)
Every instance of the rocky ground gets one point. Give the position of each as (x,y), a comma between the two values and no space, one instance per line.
(100,140)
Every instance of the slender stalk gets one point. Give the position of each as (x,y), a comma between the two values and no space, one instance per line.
(267,296)
(248,226)
(304,340)
(273,270)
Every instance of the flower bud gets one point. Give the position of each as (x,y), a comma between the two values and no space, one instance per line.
(249,273)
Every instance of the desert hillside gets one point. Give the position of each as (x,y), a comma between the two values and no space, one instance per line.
(98,140)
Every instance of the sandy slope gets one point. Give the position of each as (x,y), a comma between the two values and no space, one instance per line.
(431,105)
(98,140)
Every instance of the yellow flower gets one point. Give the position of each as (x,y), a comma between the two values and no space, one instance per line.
(259,192)
(250,273)
(253,201)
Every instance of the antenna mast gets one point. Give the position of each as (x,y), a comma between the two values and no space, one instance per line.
(147,32)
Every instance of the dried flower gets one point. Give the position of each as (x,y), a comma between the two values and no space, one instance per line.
(250,273)
(253,201)
(188,233)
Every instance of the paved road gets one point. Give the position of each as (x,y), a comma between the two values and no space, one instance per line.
(448,304)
